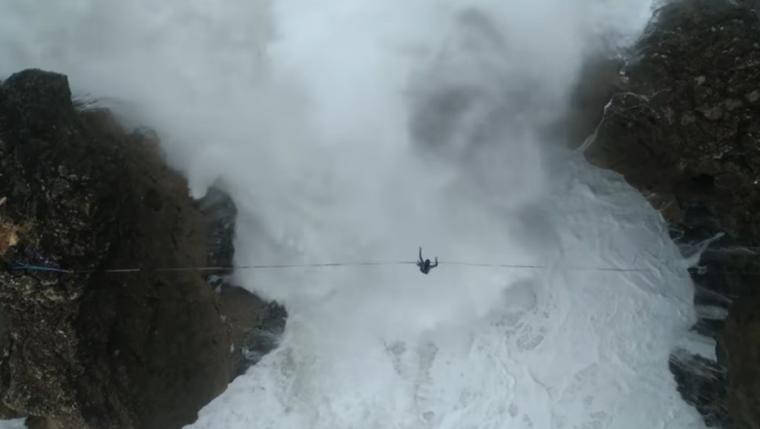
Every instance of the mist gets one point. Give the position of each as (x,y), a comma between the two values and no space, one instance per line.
(355,131)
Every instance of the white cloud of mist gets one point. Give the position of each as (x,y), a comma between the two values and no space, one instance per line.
(358,130)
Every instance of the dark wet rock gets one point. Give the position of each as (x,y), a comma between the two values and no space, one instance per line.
(107,350)
(254,325)
(220,213)
(702,383)
(741,347)
(683,126)
(268,322)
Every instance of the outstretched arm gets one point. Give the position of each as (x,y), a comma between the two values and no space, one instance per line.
(420,253)
(436,263)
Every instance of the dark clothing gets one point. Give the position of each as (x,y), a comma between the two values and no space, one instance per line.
(425,265)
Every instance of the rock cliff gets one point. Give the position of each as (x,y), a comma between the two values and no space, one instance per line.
(98,349)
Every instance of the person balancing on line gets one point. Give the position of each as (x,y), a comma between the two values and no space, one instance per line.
(424,265)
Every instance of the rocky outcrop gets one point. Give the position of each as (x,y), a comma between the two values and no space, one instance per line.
(683,126)
(97,349)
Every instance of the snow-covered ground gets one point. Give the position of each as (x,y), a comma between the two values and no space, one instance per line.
(358,130)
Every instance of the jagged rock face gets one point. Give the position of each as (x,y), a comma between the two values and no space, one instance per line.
(107,350)
(53,191)
(221,213)
(683,126)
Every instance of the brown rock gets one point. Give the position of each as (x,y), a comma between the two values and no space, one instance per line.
(98,350)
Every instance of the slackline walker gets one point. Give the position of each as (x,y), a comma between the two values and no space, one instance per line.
(425,266)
